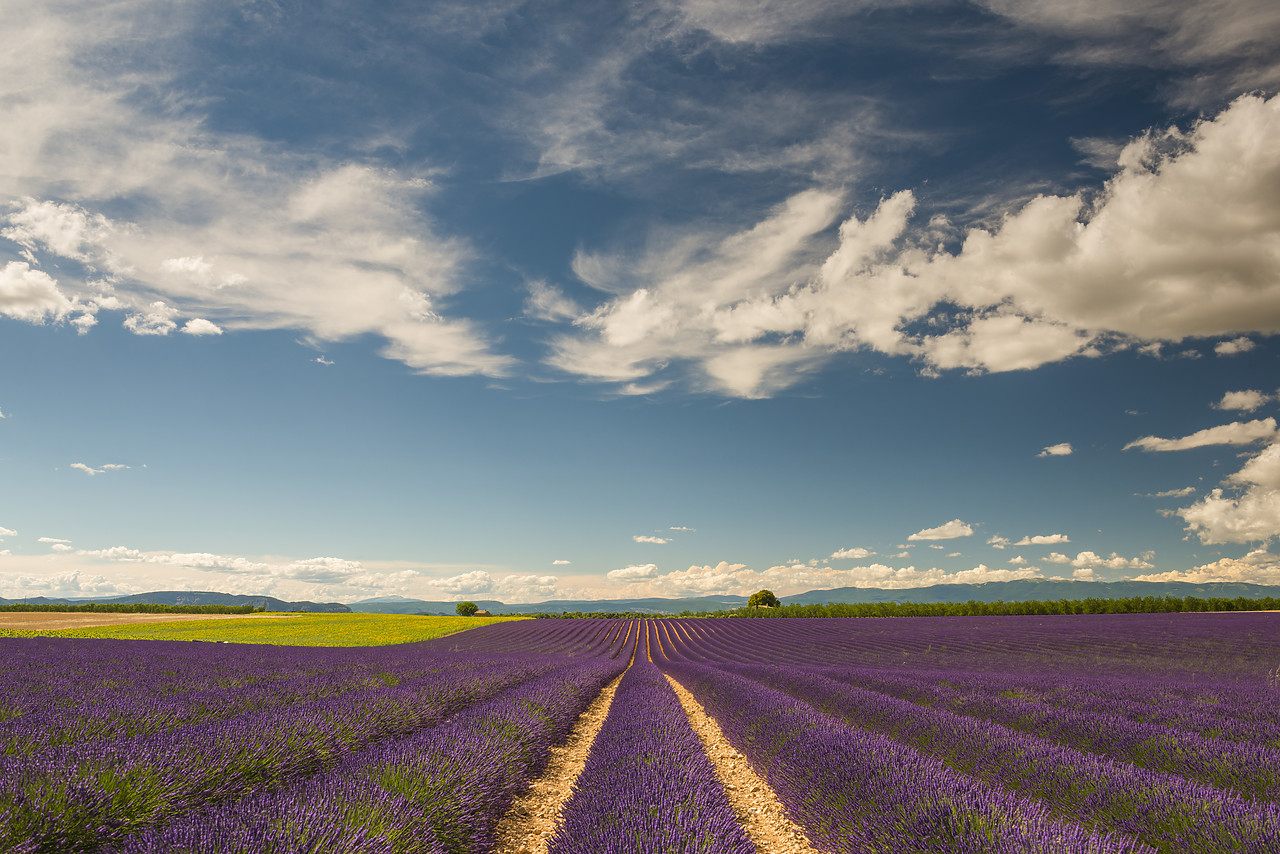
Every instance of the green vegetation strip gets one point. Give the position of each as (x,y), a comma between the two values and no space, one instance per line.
(290,629)
(124,608)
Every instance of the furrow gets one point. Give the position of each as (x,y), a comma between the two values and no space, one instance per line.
(532,820)
(758,809)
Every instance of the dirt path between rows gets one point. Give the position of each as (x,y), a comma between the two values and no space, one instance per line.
(46,621)
(528,826)
(754,803)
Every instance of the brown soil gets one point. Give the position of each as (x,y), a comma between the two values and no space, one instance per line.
(753,802)
(528,826)
(45,621)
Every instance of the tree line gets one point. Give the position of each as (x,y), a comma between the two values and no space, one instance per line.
(132,608)
(1032,607)
(972,608)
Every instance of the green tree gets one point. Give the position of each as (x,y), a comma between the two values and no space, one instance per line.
(466,609)
(763,597)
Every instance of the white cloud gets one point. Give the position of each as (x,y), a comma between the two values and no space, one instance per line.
(72,583)
(1205,53)
(200,326)
(321,360)
(855,553)
(1018,561)
(1235,433)
(31,295)
(240,232)
(789,579)
(8,532)
(755,310)
(61,547)
(1257,567)
(1234,346)
(1251,516)
(1062,449)
(998,542)
(91,471)
(1245,401)
(949,531)
(1171,493)
(547,302)
(633,573)
(1093,560)
(643,538)
(682,529)
(1043,540)
(51,540)
(561,562)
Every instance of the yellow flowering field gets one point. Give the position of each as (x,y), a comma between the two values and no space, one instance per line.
(290,629)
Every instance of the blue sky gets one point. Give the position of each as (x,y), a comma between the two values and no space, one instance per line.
(567,300)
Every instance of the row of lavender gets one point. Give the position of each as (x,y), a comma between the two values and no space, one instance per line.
(137,746)
(648,786)
(999,755)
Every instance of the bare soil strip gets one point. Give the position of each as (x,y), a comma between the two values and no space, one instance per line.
(753,802)
(528,826)
(44,621)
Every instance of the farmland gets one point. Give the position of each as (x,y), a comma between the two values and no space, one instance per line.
(289,629)
(1095,733)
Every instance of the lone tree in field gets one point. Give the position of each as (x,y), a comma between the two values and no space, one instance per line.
(763,599)
(467,609)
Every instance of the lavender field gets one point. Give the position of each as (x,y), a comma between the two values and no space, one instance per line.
(1109,733)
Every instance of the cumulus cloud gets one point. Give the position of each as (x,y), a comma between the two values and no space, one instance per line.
(1235,433)
(1257,567)
(1043,540)
(1234,346)
(561,562)
(32,295)
(998,542)
(854,553)
(1062,449)
(1093,560)
(633,573)
(1253,515)
(755,310)
(72,583)
(1245,401)
(644,538)
(8,532)
(789,579)
(200,326)
(951,530)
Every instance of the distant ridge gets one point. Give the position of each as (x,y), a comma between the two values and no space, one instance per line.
(190,597)
(991,591)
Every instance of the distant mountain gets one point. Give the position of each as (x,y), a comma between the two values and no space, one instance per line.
(641,606)
(189,597)
(991,591)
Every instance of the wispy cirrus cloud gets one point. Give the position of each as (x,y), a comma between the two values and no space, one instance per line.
(235,233)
